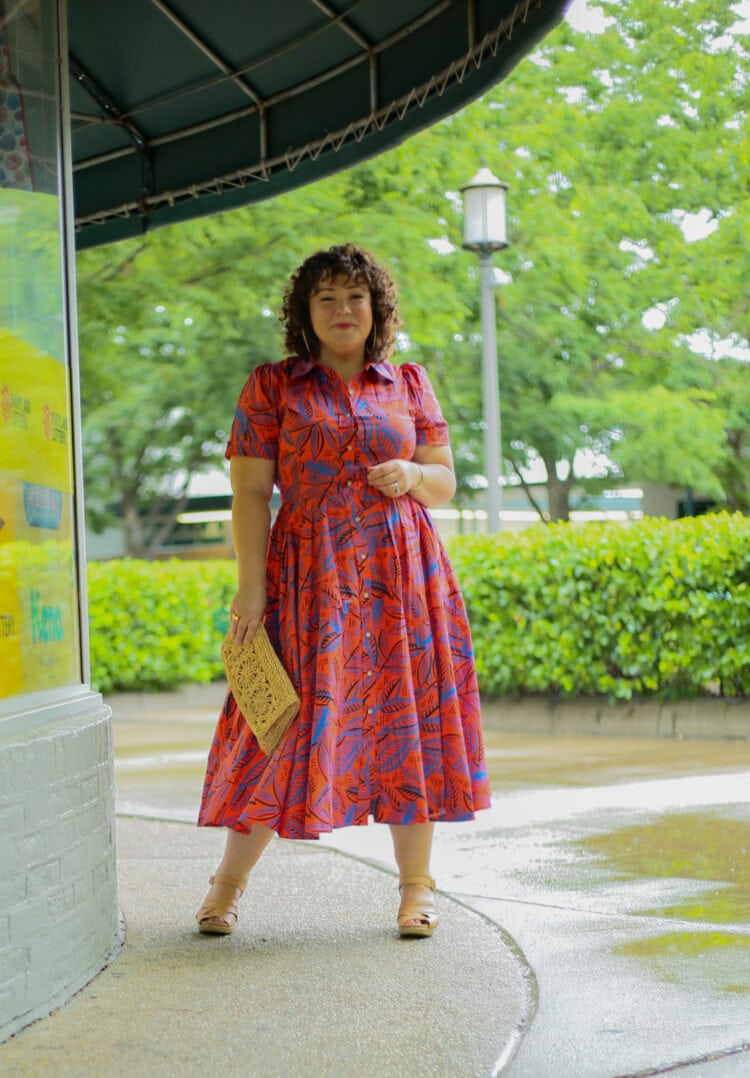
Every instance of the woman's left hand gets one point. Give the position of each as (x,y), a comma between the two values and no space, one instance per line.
(394,478)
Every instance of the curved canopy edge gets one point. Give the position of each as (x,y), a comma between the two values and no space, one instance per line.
(151,172)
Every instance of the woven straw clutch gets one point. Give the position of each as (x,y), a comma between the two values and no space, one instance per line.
(261,687)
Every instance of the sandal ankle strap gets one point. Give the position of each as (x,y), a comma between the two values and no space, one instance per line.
(230,881)
(425,881)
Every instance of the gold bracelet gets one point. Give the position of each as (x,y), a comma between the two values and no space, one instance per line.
(420,481)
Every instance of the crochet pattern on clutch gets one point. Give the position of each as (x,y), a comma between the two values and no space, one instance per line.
(261,687)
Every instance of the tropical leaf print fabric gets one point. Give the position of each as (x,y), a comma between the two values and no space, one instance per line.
(365,611)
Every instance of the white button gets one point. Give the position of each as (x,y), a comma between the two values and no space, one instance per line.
(369,711)
(369,673)
(366,595)
(357,519)
(349,482)
(362,557)
(368,633)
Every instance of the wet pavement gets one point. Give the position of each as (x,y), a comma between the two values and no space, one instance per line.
(617,870)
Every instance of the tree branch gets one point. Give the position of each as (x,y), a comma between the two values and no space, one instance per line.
(527,490)
(228,265)
(157,535)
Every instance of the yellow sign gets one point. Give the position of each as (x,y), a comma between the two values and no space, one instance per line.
(39,637)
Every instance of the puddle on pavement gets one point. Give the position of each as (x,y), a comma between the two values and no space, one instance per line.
(688,846)
(714,960)
(692,846)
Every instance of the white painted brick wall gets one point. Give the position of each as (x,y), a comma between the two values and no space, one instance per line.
(59,923)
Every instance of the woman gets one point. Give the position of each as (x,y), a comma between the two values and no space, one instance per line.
(356,593)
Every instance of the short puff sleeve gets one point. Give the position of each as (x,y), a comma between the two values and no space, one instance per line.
(255,430)
(427,414)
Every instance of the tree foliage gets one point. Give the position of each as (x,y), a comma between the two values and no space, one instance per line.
(611,142)
(616,327)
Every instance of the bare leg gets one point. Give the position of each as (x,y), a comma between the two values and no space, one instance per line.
(412,846)
(241,854)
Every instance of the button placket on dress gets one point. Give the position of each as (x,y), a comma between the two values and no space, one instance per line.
(368,648)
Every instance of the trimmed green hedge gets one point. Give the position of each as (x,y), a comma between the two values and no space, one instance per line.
(659,608)
(155,625)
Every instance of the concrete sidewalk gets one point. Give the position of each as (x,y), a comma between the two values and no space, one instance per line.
(314,980)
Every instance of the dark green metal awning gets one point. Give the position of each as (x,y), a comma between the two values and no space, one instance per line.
(188,107)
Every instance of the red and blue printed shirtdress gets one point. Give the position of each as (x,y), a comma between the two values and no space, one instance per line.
(365,612)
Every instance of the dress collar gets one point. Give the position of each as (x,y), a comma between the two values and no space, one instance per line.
(299,366)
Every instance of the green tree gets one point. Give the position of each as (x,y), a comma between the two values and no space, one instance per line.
(609,141)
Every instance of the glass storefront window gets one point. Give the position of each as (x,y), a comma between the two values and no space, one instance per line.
(39,630)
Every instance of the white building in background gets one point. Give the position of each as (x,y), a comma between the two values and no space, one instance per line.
(203,529)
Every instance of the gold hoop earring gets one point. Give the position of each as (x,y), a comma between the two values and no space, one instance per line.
(307,346)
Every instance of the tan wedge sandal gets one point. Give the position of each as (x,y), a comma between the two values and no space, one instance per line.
(219,912)
(422,910)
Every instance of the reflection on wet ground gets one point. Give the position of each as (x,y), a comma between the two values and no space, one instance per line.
(598,761)
(716,960)
(709,847)
(685,846)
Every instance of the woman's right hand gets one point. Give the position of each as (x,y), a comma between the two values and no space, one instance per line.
(246,613)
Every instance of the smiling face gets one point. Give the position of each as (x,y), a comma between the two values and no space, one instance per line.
(341,317)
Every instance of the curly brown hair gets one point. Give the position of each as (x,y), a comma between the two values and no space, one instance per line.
(355,265)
